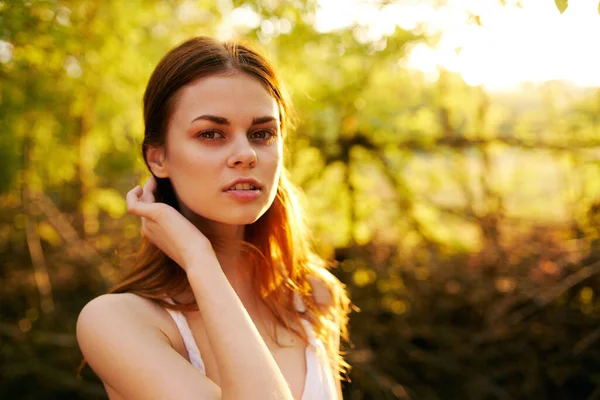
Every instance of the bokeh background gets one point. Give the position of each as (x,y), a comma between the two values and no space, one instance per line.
(449,152)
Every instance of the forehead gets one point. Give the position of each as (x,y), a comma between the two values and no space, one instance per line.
(235,96)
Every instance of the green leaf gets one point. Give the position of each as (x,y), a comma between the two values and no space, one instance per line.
(562,5)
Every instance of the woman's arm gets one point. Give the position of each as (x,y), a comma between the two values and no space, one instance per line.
(121,338)
(131,355)
(247,369)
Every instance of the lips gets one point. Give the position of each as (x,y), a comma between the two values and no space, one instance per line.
(243,184)
(243,190)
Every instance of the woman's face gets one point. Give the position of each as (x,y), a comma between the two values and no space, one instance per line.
(224,129)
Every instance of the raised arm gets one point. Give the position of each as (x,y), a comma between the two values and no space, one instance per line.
(133,357)
(246,367)
(121,338)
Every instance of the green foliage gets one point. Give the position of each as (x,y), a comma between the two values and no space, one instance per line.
(462,221)
(561,5)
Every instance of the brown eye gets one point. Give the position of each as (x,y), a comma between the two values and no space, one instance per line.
(262,135)
(210,135)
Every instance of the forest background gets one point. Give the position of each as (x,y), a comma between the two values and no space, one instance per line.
(465,222)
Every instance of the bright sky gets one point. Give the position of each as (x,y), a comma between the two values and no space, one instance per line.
(534,43)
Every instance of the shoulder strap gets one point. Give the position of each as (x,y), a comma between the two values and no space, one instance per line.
(188,339)
(299,303)
(301,308)
(319,384)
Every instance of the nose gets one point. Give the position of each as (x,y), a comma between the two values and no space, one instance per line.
(242,154)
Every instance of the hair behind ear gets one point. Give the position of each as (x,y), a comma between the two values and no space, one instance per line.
(165,193)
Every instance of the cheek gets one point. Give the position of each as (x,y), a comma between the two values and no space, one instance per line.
(189,159)
(274,166)
(192,174)
(272,156)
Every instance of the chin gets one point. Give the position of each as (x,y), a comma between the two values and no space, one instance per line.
(242,219)
(235,216)
(225,213)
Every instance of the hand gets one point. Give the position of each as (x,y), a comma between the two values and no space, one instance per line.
(165,227)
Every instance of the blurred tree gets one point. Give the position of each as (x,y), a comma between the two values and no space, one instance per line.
(465,227)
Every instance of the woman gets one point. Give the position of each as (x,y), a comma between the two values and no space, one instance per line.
(226,300)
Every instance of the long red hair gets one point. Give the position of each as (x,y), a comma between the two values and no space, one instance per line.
(278,243)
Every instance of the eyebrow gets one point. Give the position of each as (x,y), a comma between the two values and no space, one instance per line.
(225,121)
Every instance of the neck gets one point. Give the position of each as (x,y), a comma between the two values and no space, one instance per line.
(238,273)
(226,240)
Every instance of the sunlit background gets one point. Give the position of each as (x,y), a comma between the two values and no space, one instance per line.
(498,45)
(448,151)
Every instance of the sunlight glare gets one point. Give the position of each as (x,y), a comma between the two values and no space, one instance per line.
(512,46)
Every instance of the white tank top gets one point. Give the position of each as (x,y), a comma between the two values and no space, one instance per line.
(319,382)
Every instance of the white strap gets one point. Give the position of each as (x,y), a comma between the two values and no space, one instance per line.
(188,339)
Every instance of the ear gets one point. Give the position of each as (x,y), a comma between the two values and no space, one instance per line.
(156,158)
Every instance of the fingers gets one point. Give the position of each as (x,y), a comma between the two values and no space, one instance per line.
(149,189)
(132,196)
(135,206)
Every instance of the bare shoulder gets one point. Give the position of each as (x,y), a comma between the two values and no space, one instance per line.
(113,301)
(117,304)
(123,311)
(118,310)
(122,338)
(324,286)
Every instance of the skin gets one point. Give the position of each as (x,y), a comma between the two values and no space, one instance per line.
(202,157)
(134,345)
